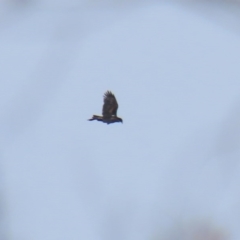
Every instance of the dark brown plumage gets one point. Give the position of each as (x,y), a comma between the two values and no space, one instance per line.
(109,110)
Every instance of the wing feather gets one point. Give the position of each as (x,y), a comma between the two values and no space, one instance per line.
(110,105)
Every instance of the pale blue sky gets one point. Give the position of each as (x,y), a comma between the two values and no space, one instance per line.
(174,160)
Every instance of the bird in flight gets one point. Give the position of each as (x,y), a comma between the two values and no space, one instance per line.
(109,110)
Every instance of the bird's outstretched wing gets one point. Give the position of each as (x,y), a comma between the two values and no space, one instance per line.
(110,105)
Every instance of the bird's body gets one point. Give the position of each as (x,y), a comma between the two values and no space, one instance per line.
(109,111)
(108,120)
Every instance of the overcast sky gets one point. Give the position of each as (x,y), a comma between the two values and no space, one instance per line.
(171,168)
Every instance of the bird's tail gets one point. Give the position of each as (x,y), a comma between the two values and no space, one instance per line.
(95,117)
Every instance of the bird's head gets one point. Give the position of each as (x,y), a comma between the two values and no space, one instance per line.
(119,120)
